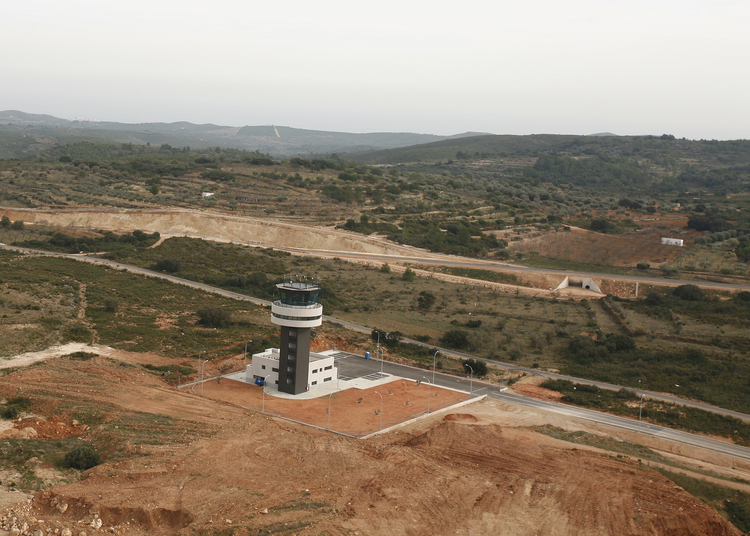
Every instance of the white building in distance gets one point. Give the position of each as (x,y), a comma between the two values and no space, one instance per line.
(671,242)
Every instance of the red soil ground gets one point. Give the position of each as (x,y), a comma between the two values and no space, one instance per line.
(198,466)
(402,400)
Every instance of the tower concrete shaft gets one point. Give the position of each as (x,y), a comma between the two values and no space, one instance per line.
(297,311)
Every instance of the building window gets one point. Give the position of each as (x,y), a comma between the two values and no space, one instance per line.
(315,383)
(263,367)
(329,367)
(327,379)
(315,371)
(274,370)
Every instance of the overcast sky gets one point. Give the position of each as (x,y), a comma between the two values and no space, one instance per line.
(537,66)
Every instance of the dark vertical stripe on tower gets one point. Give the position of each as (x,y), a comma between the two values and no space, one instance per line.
(294,360)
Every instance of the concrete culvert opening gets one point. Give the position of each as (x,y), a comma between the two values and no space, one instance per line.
(579,282)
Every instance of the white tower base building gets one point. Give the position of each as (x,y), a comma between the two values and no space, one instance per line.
(265,366)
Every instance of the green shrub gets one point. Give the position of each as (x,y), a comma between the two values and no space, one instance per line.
(643,266)
(78,333)
(168,265)
(426,300)
(689,292)
(82,457)
(479,367)
(455,338)
(82,356)
(409,275)
(617,342)
(627,394)
(111,305)
(561,386)
(8,413)
(20,402)
(739,514)
(214,317)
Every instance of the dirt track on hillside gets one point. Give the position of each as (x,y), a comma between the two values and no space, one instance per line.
(214,466)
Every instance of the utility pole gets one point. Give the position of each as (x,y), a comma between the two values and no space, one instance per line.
(471,380)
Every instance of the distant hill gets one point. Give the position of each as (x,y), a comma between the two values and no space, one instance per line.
(490,151)
(23,133)
(470,147)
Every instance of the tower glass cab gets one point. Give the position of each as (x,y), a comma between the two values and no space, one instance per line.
(297,311)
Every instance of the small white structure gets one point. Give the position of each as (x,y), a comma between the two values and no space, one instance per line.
(671,242)
(322,369)
(206,194)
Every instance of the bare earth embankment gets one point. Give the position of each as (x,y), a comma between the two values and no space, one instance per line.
(180,463)
(216,226)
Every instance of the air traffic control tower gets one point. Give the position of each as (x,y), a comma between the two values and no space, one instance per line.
(297,311)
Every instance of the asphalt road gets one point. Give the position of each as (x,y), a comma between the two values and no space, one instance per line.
(502,267)
(356,366)
(364,329)
(424,257)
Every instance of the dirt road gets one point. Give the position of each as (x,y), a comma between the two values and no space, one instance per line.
(29,358)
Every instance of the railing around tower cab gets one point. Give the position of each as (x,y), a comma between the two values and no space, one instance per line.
(279,303)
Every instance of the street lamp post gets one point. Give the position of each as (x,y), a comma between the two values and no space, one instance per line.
(429,393)
(434,358)
(203,365)
(640,409)
(329,410)
(471,380)
(381,409)
(248,342)
(380,356)
(263,408)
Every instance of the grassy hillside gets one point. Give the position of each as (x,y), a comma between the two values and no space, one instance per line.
(657,148)
(473,146)
(509,208)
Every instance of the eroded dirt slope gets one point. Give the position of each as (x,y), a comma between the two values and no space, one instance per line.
(215,225)
(195,466)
